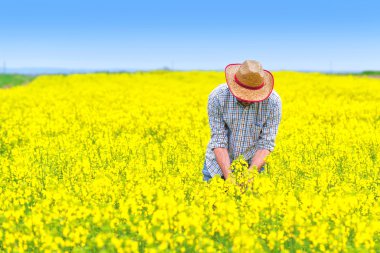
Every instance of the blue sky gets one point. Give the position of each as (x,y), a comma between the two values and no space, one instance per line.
(294,35)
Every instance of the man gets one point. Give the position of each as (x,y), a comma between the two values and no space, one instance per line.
(244,115)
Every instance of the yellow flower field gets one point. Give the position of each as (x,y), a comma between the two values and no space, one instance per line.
(112,163)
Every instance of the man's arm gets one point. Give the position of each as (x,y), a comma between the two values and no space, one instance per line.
(265,143)
(258,158)
(223,160)
(219,141)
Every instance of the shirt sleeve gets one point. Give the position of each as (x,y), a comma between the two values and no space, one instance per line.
(217,125)
(270,128)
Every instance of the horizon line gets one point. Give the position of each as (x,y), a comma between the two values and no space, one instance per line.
(59,70)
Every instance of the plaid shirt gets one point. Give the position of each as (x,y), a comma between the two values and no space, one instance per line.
(241,129)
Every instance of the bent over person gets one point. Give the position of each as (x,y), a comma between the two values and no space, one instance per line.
(244,115)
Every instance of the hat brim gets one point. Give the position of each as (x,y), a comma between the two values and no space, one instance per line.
(245,94)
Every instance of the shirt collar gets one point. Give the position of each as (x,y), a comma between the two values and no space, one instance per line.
(241,104)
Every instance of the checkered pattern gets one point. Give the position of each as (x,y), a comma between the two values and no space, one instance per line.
(241,129)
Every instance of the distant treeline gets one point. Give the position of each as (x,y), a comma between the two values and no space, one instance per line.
(370,72)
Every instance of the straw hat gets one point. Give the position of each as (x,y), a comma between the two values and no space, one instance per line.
(248,81)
